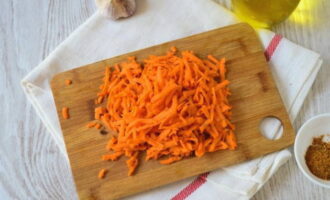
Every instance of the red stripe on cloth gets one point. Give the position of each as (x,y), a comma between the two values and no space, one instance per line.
(192,187)
(201,179)
(272,46)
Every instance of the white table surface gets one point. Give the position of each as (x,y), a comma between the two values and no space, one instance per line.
(32,167)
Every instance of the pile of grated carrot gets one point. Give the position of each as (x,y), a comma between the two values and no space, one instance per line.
(170,106)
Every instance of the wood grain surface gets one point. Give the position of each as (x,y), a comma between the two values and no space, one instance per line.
(251,103)
(32,166)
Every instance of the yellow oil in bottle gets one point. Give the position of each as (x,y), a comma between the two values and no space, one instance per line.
(264,13)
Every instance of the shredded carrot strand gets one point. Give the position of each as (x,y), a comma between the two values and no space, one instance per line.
(91,124)
(65,113)
(102,173)
(98,126)
(170,106)
(68,82)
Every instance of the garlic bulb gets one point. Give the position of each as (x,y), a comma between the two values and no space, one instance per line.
(116,9)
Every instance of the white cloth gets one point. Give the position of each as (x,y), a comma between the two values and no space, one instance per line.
(294,69)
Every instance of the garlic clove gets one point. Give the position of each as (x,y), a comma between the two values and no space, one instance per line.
(116,9)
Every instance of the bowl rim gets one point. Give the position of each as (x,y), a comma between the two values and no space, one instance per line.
(299,135)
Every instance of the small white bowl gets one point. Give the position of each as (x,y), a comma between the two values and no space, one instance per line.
(314,127)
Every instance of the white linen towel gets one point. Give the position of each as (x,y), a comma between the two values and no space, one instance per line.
(294,69)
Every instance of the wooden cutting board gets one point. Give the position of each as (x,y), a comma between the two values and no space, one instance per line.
(254,97)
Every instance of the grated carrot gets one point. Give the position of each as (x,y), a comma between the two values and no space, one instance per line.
(91,124)
(65,113)
(98,126)
(170,106)
(68,82)
(102,173)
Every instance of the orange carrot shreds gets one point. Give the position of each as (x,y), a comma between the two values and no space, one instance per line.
(65,113)
(170,160)
(102,173)
(99,100)
(111,142)
(113,157)
(170,107)
(98,126)
(91,124)
(173,49)
(99,111)
(68,82)
(132,163)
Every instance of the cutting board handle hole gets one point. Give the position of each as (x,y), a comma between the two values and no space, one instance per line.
(271,128)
